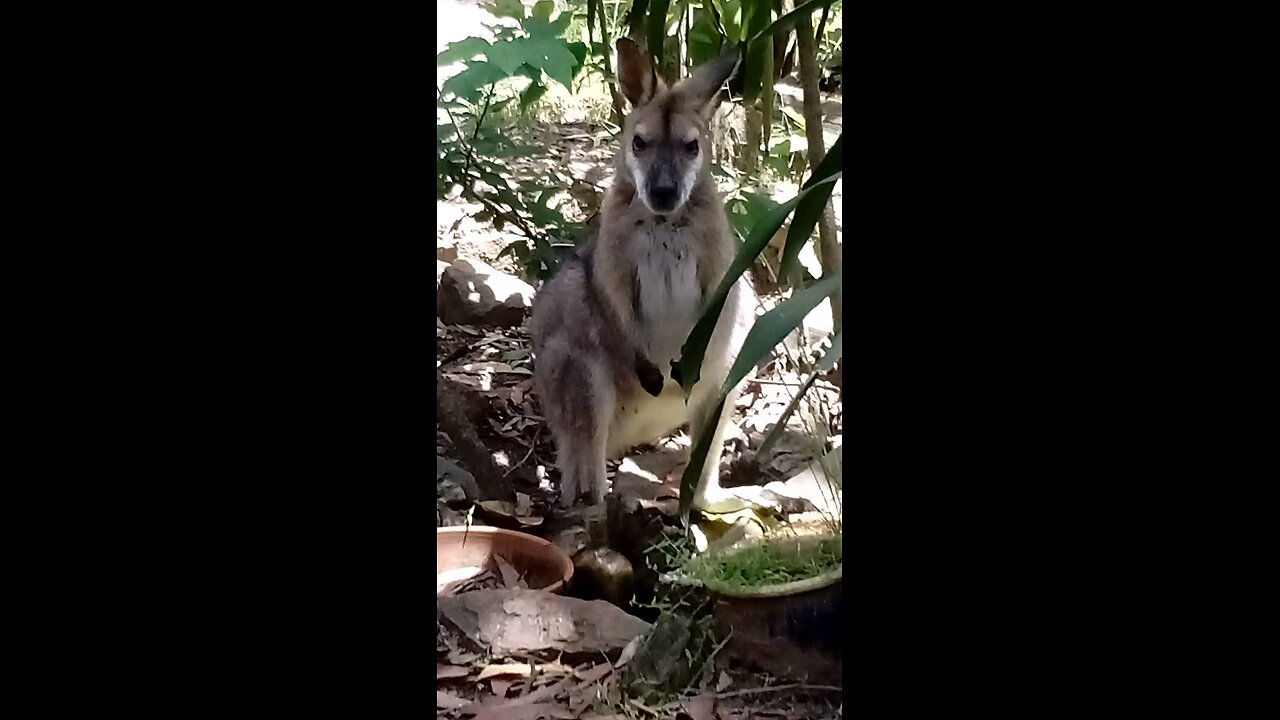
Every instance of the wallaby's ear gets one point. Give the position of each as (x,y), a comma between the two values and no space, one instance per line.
(635,73)
(707,79)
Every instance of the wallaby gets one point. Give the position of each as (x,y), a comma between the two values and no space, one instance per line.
(607,326)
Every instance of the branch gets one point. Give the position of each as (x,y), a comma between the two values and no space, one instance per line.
(487,99)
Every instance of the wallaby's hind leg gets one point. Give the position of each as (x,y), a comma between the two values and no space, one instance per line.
(577,399)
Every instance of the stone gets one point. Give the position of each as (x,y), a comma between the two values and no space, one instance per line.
(473,293)
(509,623)
(603,574)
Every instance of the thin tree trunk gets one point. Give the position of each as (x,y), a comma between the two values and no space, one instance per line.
(830,250)
(614,95)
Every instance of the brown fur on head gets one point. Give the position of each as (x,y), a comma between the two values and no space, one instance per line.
(665,139)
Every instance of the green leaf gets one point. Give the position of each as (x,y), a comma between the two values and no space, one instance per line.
(537,27)
(769,330)
(832,355)
(465,49)
(773,326)
(728,15)
(506,8)
(543,8)
(552,57)
(508,55)
(704,39)
(688,368)
(758,62)
(468,83)
(579,51)
(784,24)
(519,248)
(810,209)
(714,7)
(532,94)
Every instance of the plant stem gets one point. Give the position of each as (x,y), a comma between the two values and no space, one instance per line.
(487,99)
(776,432)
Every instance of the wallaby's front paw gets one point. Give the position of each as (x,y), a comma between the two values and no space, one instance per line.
(650,377)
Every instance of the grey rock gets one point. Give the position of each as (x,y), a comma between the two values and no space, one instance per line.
(603,574)
(473,293)
(512,622)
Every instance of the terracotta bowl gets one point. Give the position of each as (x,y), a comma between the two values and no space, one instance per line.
(544,565)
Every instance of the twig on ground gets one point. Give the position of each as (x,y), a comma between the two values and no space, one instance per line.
(753,691)
(532,445)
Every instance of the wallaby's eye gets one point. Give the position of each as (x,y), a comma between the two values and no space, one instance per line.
(691,147)
(637,143)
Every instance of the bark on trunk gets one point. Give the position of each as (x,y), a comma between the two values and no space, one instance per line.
(451,414)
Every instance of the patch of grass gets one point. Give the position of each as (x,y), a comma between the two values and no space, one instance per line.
(766,564)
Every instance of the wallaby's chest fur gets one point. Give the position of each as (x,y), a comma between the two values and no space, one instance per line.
(658,270)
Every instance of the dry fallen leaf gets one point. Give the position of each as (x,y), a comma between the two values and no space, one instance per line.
(490,367)
(449,700)
(510,577)
(498,507)
(702,707)
(522,670)
(525,712)
(628,652)
(586,677)
(524,504)
(451,671)
(508,510)
(500,687)
(457,656)
(724,682)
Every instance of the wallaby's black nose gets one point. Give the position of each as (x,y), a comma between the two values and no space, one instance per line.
(663,197)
